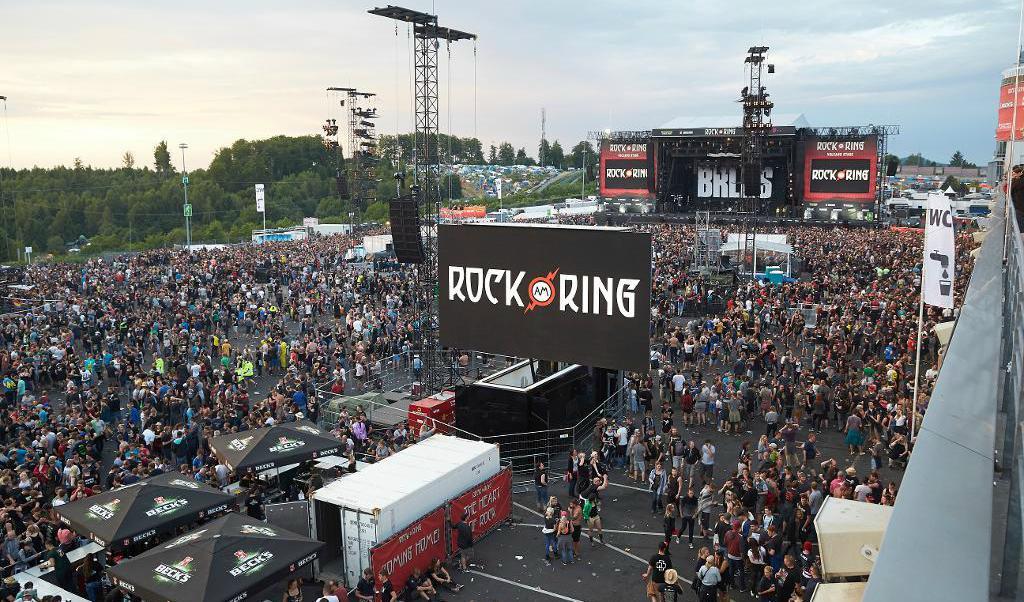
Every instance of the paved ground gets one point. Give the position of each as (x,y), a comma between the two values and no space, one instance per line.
(512,559)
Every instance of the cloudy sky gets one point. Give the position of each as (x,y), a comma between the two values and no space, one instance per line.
(95,79)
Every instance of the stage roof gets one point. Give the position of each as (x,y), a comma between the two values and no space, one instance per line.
(796,120)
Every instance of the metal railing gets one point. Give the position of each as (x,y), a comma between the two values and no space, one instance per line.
(524,450)
(952,535)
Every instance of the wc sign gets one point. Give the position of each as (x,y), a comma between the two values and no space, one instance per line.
(939,253)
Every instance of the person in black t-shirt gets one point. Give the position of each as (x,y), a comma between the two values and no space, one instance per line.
(386,591)
(786,579)
(365,588)
(655,574)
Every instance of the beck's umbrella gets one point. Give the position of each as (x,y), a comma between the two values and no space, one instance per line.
(226,559)
(273,446)
(135,512)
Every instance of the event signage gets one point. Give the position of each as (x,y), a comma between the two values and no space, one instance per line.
(261,206)
(721,180)
(717,132)
(572,294)
(1011,99)
(415,546)
(488,505)
(840,169)
(626,169)
(179,572)
(939,253)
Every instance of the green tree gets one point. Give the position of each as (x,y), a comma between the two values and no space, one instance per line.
(128,160)
(492,155)
(162,159)
(506,154)
(583,155)
(544,152)
(78,164)
(451,182)
(556,155)
(522,158)
(957,160)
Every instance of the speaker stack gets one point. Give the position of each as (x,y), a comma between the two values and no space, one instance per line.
(406,234)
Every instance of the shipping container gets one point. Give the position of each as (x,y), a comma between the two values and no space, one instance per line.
(354,513)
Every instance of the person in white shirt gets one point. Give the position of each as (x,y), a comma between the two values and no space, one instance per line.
(678,384)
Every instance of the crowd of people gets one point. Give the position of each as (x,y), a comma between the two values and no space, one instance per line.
(123,369)
(831,355)
(118,370)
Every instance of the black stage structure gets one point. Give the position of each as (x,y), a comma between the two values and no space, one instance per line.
(678,155)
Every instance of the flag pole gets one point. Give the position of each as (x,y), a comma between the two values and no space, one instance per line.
(917,361)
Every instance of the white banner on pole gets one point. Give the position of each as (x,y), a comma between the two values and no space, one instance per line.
(497,187)
(939,253)
(260,204)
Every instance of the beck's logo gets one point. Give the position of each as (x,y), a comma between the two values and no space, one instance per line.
(104,511)
(240,444)
(184,539)
(285,444)
(255,530)
(594,295)
(248,563)
(179,572)
(164,506)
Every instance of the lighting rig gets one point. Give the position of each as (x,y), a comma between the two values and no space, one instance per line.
(757,124)
(427,37)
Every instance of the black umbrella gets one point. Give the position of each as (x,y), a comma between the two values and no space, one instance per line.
(273,446)
(135,512)
(226,559)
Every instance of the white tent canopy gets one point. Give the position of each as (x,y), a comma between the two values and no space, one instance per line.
(737,246)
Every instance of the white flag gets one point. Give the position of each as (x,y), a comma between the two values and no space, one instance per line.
(939,253)
(497,187)
(260,204)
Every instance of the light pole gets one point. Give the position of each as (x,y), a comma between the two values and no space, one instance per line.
(186,209)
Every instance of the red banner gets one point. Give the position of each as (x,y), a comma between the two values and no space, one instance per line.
(489,504)
(414,546)
(1008,100)
(625,169)
(840,169)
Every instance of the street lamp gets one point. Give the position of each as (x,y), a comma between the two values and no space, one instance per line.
(187,209)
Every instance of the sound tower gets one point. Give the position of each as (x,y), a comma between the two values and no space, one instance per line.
(892,167)
(406,234)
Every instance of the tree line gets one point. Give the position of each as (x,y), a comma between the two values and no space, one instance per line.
(140,204)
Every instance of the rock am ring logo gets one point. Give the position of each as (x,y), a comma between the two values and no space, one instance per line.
(541,291)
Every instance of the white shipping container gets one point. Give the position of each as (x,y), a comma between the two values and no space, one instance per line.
(386,497)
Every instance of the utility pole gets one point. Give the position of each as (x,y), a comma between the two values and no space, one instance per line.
(187,209)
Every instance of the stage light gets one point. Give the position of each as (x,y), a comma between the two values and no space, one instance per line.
(771,68)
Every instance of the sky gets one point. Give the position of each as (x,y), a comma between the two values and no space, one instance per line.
(96,79)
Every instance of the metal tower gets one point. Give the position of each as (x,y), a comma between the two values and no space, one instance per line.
(427,35)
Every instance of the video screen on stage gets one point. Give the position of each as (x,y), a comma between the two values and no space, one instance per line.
(572,294)
(626,169)
(840,169)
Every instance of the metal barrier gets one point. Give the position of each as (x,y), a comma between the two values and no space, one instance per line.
(524,450)
(948,511)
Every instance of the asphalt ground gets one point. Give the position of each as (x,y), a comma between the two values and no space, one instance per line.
(511,559)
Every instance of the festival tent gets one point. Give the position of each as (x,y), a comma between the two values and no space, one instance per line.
(150,507)
(230,558)
(274,446)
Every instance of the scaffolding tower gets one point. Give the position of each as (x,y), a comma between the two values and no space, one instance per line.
(427,36)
